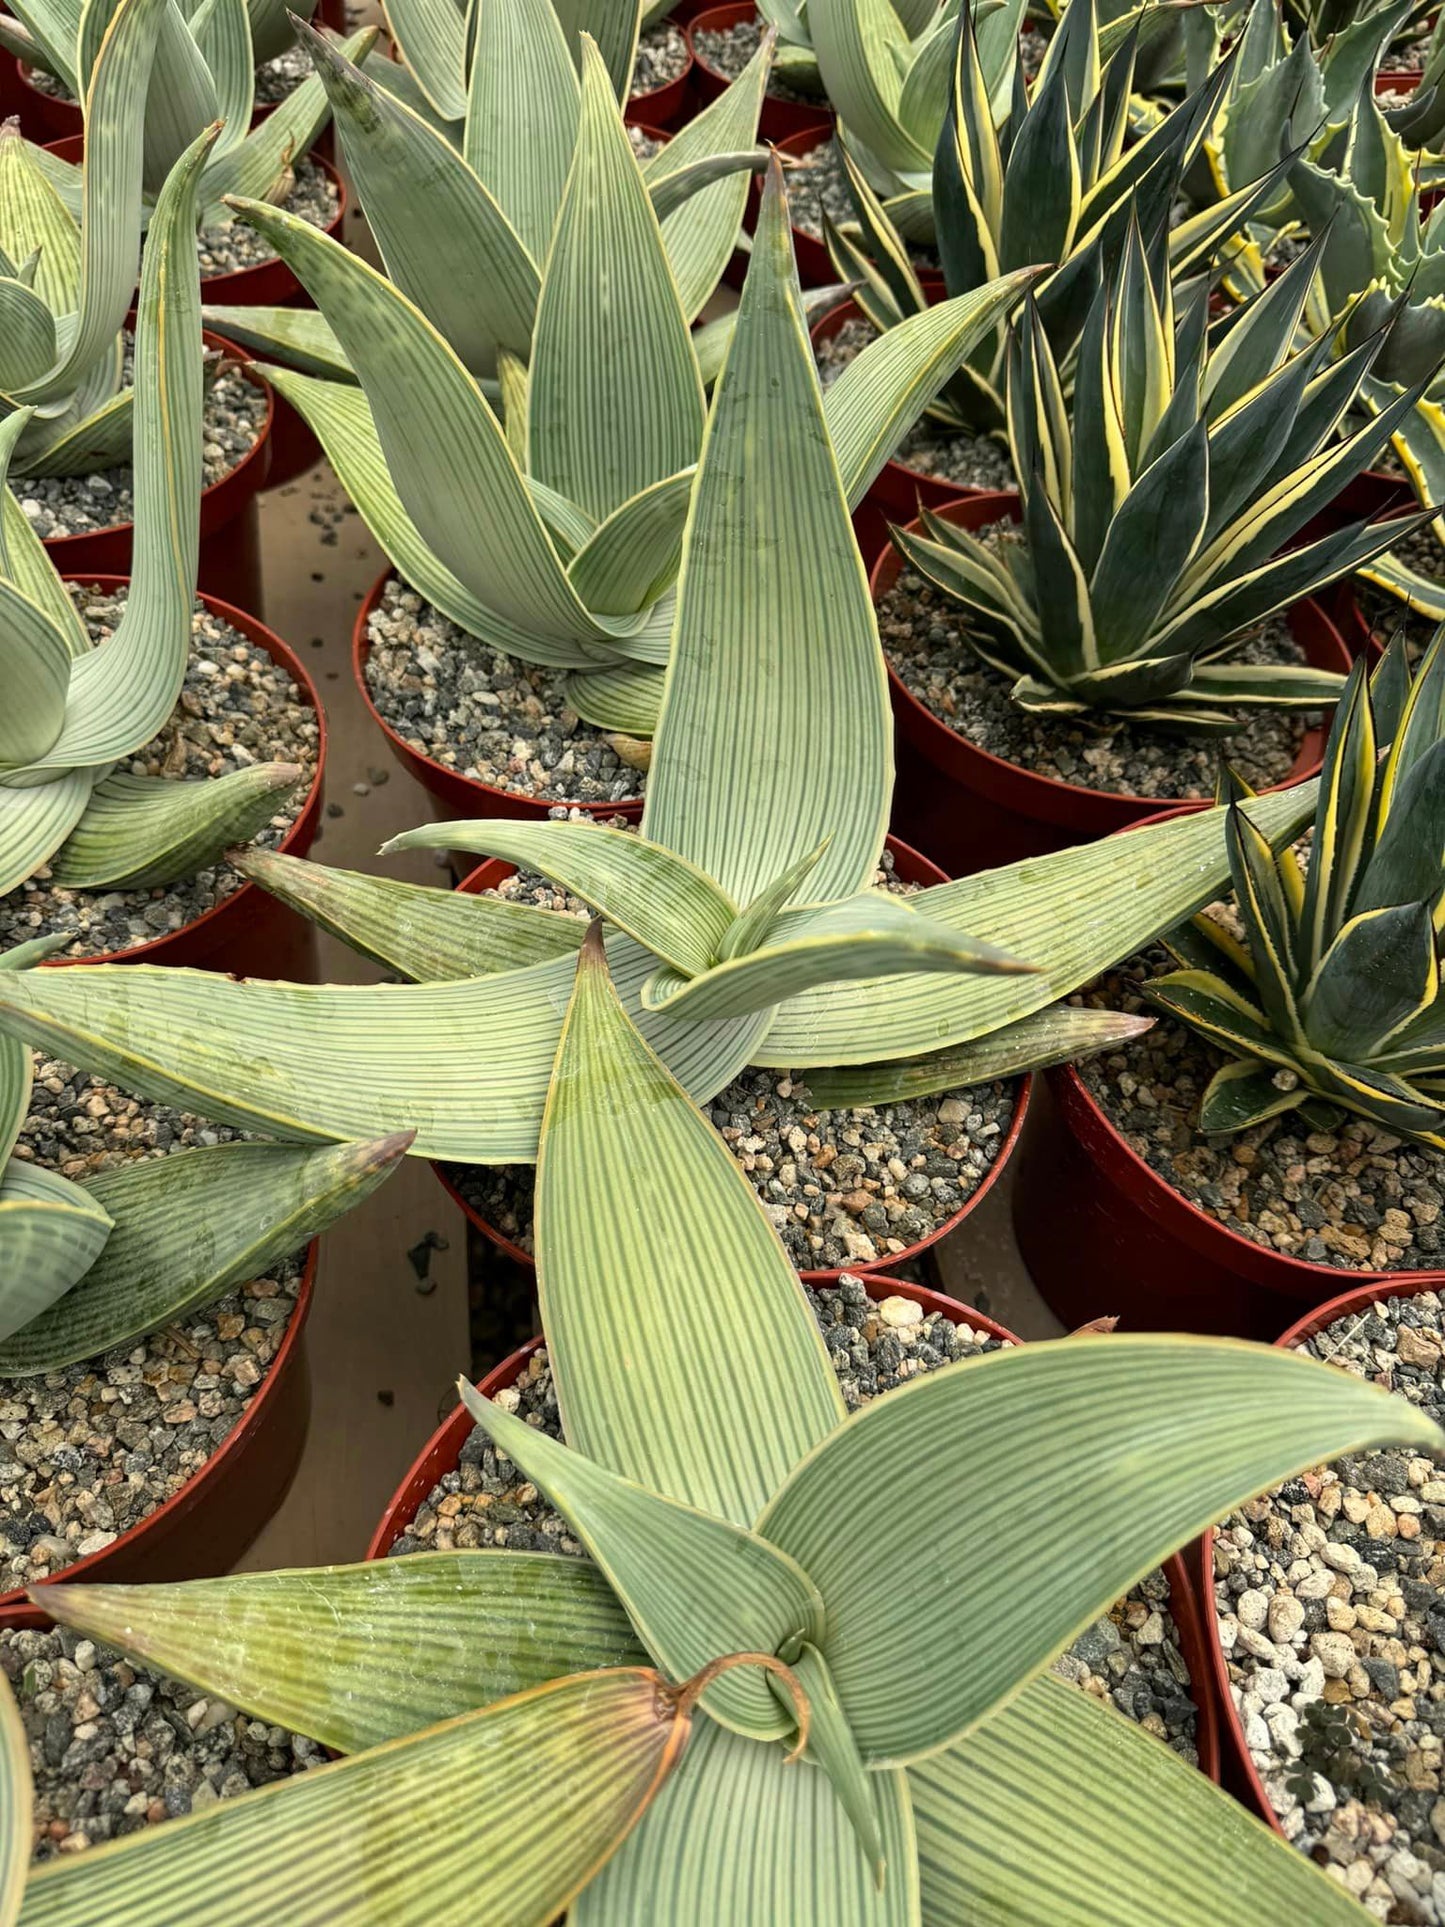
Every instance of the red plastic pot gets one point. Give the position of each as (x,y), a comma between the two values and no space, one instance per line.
(971,810)
(460,796)
(815,270)
(230,550)
(204,1528)
(442,1454)
(911,867)
(779,119)
(45,118)
(663,106)
(250,933)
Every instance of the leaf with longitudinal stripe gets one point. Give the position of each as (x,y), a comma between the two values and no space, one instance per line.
(15,1067)
(300,337)
(354,1655)
(221,30)
(50,1233)
(16,1806)
(861,47)
(433,43)
(612,26)
(35,822)
(1163,1434)
(787,655)
(632,557)
(519,1803)
(35,665)
(521,114)
(187,1228)
(140,831)
(1057,1808)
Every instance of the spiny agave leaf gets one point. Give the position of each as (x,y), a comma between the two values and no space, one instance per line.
(1059,1035)
(16,1807)
(300,337)
(420,932)
(521,114)
(354,1655)
(697,1429)
(139,831)
(35,822)
(1164,1433)
(523,1802)
(785,653)
(50,1233)
(660,899)
(694,1585)
(35,664)
(189,1227)
(1132,1835)
(1242,1094)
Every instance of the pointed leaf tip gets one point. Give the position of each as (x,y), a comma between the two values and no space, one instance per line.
(594,949)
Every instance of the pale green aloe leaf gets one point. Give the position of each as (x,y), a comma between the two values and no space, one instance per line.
(432,39)
(613,25)
(222,32)
(860,45)
(521,114)
(1059,1035)
(666,903)
(25,562)
(50,1234)
(693,1426)
(27,328)
(1163,1435)
(35,221)
(786,654)
(98,440)
(445,241)
(35,822)
(299,337)
(694,1585)
(55,26)
(1072,913)
(616,402)
(831,1748)
(354,1655)
(180,95)
(15,1064)
(35,663)
(1057,1808)
(626,698)
(187,1228)
(264,160)
(141,831)
(420,932)
(632,557)
(520,1802)
(752,927)
(740,1836)
(16,1807)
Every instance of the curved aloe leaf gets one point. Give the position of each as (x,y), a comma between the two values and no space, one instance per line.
(139,831)
(521,114)
(16,1806)
(433,43)
(300,337)
(34,823)
(50,1233)
(35,663)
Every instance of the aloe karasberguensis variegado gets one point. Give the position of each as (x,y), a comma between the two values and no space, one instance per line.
(614,1737)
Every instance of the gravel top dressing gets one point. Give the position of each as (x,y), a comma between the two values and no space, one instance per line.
(1131,1656)
(90,1451)
(1330,1593)
(817,184)
(1386,614)
(950,455)
(644,146)
(925,639)
(727,50)
(1354,1197)
(115,1747)
(484,714)
(314,198)
(235,414)
(237,707)
(662,57)
(277,78)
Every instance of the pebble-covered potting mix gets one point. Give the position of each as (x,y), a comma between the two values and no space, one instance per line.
(313,197)
(89,1451)
(1130,1657)
(662,57)
(1330,1596)
(237,708)
(727,50)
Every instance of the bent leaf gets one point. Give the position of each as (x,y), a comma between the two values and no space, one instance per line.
(141,831)
(50,1233)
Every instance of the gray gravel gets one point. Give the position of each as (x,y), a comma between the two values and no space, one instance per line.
(1330,1593)
(662,56)
(115,1747)
(235,413)
(817,185)
(1354,1197)
(948,455)
(237,707)
(1385,614)
(225,249)
(88,1452)
(1131,1656)
(728,50)
(278,78)
(473,709)
(644,146)
(925,637)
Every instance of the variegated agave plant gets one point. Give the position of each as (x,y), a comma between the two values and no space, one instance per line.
(1332,999)
(72,712)
(1158,501)
(513,1745)
(744,926)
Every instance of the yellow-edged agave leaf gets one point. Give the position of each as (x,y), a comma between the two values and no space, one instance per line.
(50,1233)
(138,831)
(620,1252)
(660,899)
(501,1815)
(187,1228)
(15,1807)
(521,114)
(694,1585)
(788,654)
(354,1655)
(1058,1809)
(1072,914)
(1162,1434)
(419,931)
(433,43)
(740,1837)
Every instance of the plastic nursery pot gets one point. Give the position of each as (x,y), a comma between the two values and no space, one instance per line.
(971,810)
(249,933)
(815,270)
(442,1454)
(779,119)
(663,106)
(460,796)
(46,117)
(230,549)
(910,867)
(203,1529)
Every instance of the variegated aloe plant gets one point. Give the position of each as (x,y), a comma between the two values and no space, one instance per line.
(745,926)
(72,712)
(514,1747)
(1332,999)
